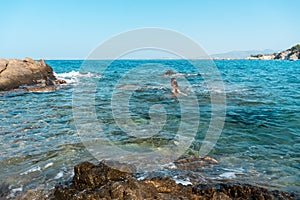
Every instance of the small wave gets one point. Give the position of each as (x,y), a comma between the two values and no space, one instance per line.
(72,76)
(37,168)
(69,77)
(183,182)
(237,170)
(141,178)
(174,74)
(231,173)
(48,165)
(228,175)
(14,191)
(59,175)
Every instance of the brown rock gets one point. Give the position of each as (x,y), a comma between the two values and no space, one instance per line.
(92,176)
(104,181)
(41,89)
(15,73)
(163,185)
(29,60)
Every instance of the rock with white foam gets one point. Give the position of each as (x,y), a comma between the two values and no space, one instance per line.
(26,74)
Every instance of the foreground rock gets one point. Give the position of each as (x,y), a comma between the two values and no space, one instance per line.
(289,54)
(104,182)
(28,75)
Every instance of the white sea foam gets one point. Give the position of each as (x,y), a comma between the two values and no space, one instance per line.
(228,175)
(170,166)
(14,191)
(72,173)
(69,77)
(59,175)
(19,189)
(236,170)
(183,182)
(72,76)
(34,169)
(141,178)
(48,165)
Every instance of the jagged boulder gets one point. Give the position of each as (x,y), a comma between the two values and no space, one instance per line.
(106,181)
(15,73)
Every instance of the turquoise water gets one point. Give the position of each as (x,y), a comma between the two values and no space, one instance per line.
(259,144)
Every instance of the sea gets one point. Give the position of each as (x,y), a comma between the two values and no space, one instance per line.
(43,135)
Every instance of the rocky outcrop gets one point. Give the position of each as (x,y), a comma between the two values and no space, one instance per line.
(289,54)
(27,74)
(169,73)
(104,182)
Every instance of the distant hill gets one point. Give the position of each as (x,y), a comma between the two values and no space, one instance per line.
(292,53)
(241,54)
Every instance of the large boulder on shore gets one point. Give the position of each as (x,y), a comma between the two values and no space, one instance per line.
(15,73)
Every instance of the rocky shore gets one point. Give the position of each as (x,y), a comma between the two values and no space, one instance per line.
(27,75)
(108,180)
(290,54)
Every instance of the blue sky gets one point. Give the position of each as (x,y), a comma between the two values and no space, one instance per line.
(72,29)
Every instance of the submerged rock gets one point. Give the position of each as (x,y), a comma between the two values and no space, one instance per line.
(169,73)
(194,163)
(28,75)
(105,181)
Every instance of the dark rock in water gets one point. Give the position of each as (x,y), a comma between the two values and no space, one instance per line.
(169,73)
(60,81)
(105,182)
(27,73)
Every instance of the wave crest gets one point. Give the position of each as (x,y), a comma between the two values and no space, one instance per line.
(73,76)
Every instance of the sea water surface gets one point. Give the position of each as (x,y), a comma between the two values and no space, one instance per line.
(259,144)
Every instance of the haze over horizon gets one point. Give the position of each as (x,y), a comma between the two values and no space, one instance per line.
(68,30)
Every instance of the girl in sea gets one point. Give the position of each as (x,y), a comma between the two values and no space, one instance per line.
(176,90)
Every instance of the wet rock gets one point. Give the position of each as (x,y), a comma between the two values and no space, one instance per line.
(60,81)
(194,163)
(26,73)
(108,181)
(92,176)
(104,182)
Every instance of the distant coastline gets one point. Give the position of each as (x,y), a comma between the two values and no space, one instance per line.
(292,53)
